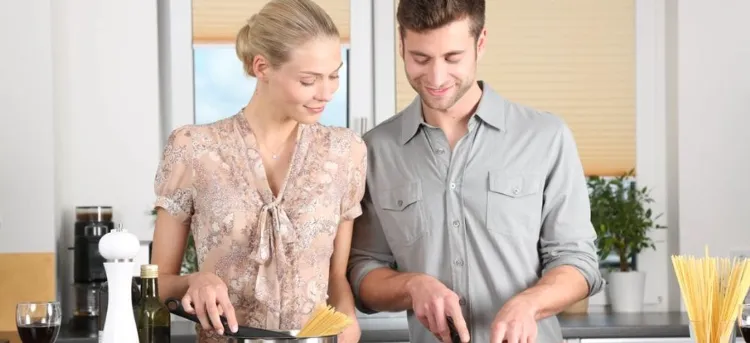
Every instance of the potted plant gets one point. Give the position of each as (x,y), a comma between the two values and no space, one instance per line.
(189,258)
(622,220)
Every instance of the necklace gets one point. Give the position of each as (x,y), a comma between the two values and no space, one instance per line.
(280,149)
(274,155)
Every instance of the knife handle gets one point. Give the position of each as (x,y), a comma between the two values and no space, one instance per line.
(455,337)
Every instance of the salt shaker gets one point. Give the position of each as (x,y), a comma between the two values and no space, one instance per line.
(119,247)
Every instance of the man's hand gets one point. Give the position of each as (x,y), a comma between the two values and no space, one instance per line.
(433,303)
(515,323)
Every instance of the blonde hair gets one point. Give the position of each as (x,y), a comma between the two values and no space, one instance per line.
(280,27)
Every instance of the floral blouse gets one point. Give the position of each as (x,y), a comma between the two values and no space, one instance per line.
(273,253)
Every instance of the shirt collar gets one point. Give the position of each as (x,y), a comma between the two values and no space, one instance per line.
(491,110)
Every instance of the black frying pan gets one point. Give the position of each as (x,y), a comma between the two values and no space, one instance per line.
(243,332)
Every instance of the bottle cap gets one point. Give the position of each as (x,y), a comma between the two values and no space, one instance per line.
(149,271)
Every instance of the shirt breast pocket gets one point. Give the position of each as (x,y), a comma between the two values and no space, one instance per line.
(401,213)
(514,203)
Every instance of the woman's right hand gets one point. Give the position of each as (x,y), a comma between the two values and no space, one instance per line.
(207,297)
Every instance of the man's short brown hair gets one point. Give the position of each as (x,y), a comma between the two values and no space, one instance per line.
(425,15)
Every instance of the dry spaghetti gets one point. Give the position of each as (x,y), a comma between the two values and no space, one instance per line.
(325,321)
(713,290)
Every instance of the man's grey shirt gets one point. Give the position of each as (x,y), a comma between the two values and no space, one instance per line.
(487,219)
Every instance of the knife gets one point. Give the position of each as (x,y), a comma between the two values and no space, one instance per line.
(455,337)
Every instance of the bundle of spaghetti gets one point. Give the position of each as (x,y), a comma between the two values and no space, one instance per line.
(325,321)
(713,290)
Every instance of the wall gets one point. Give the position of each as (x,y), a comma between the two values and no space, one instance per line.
(26,131)
(81,121)
(713,104)
(27,185)
(107,103)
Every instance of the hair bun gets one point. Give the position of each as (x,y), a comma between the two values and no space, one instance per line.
(252,20)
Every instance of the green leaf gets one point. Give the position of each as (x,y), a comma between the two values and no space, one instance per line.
(620,216)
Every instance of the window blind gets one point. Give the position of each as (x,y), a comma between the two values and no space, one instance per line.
(574,58)
(218,21)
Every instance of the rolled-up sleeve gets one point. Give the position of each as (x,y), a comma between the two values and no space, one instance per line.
(369,251)
(568,237)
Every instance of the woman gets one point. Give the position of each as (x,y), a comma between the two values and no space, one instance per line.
(269,194)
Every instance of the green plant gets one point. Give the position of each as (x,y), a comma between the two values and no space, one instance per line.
(621,217)
(189,257)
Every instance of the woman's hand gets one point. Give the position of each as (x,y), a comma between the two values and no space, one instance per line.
(207,297)
(351,334)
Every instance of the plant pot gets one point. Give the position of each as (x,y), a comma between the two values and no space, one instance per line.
(625,290)
(581,307)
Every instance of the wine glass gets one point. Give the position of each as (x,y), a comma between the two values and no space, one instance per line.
(38,322)
(743,321)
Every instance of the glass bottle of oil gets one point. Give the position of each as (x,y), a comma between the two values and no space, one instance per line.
(153,319)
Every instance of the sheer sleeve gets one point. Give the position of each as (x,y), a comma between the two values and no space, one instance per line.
(174,177)
(355,187)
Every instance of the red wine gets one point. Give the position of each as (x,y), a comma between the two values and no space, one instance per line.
(745,330)
(38,333)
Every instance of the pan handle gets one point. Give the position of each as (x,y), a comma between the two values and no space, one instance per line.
(175,307)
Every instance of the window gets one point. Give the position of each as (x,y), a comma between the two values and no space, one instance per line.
(573,58)
(222,88)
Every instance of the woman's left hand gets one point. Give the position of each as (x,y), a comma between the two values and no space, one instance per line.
(351,334)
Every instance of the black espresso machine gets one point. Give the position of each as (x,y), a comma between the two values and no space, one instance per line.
(89,276)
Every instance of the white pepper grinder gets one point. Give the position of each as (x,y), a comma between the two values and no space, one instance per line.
(119,247)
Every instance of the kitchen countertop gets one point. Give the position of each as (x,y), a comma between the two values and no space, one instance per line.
(592,325)
(622,325)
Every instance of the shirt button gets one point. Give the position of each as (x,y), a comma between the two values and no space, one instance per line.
(459,262)
(440,151)
(516,190)
(453,185)
(462,301)
(456,223)
(400,203)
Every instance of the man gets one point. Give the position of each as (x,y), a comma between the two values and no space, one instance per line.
(476,207)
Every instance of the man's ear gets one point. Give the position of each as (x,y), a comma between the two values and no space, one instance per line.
(401,45)
(481,43)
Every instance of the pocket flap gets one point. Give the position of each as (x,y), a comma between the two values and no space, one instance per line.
(514,184)
(397,199)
